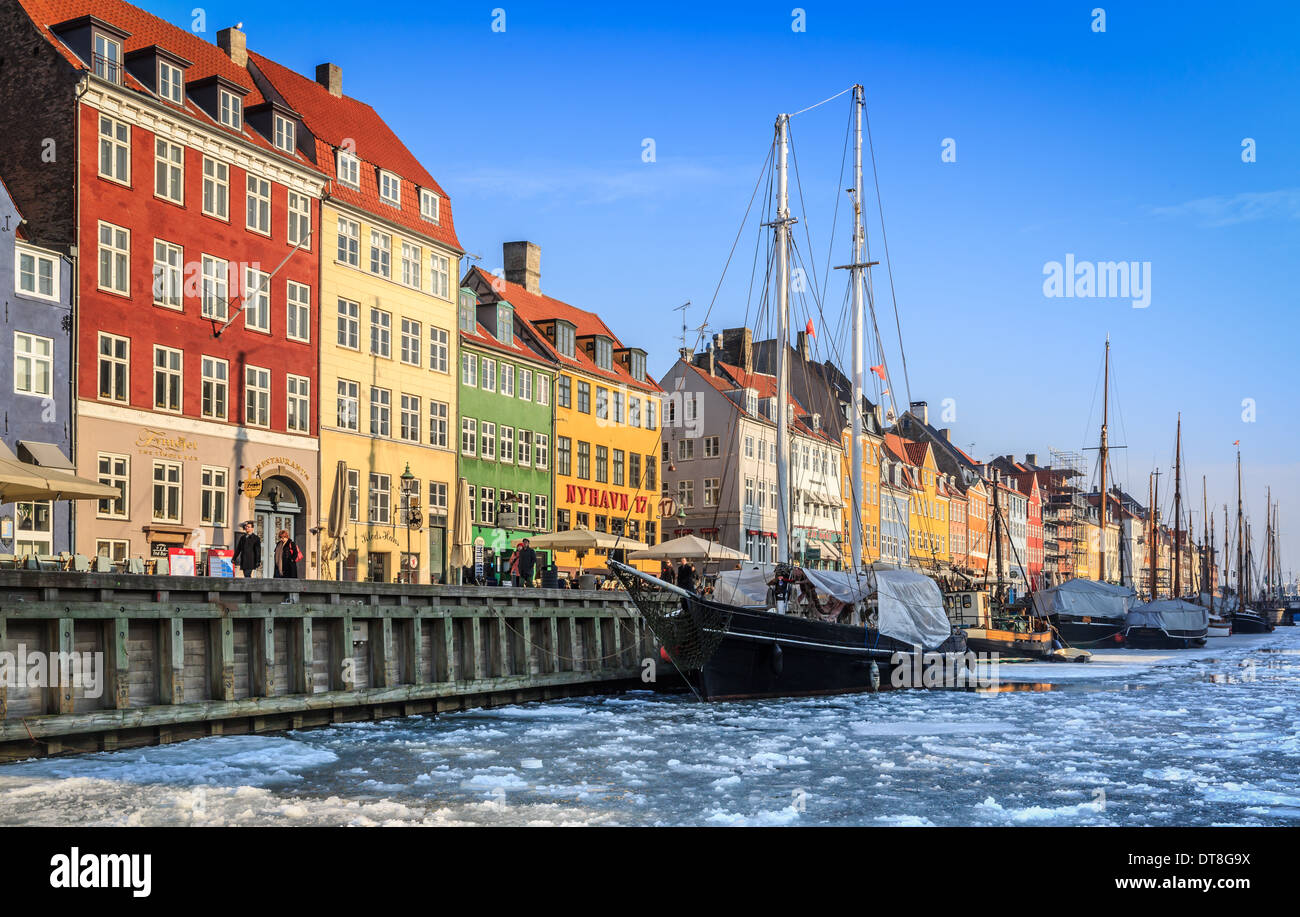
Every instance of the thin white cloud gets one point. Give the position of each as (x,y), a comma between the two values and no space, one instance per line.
(1247,207)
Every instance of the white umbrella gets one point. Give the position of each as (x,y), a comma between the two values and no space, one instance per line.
(583,540)
(692,547)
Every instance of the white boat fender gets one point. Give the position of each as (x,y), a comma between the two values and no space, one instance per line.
(874,681)
(778,661)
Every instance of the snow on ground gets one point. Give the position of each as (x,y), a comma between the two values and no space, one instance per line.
(1207,736)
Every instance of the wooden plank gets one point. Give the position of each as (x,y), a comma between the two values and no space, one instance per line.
(503,643)
(343,673)
(58,643)
(263,657)
(414,649)
(449,644)
(383,661)
(117,661)
(480,670)
(555,663)
(171,657)
(300,657)
(221,659)
(4,689)
(598,657)
(578,663)
(526,625)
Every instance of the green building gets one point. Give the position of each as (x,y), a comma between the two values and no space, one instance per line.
(507,425)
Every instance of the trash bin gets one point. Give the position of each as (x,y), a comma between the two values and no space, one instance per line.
(550,577)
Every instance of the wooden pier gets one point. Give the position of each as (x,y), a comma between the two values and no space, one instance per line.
(184,657)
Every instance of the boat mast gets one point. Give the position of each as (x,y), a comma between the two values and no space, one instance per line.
(1151,541)
(1102,453)
(782,226)
(1241,538)
(1178,509)
(999,593)
(1227,555)
(1268,539)
(859,328)
(1207,545)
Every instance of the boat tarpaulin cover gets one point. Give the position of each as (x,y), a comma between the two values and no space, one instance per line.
(1170,616)
(845,587)
(746,586)
(911,608)
(1085,597)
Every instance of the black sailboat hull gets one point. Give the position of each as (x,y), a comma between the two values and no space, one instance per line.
(765,654)
(1250,623)
(1153,638)
(1075,631)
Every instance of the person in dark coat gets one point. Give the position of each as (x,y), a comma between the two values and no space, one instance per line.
(686,575)
(666,572)
(286,557)
(248,550)
(526,563)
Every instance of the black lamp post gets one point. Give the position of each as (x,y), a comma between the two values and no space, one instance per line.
(407,480)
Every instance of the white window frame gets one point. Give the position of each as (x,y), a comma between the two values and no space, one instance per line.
(469,437)
(257,205)
(439,349)
(40,367)
(349,330)
(114,150)
(214,288)
(257,300)
(169,171)
(381,411)
(430,205)
(169,368)
(214,390)
(381,254)
(37,258)
(348,168)
(297,309)
(116,362)
(409,418)
(440,276)
(230,109)
(390,188)
(438,414)
(257,396)
(381,333)
(379,502)
(468,369)
(168,275)
(216,189)
(348,405)
(114,477)
(171,84)
(489,377)
(214,496)
(297,390)
(299,220)
(118,249)
(412,340)
(487,440)
(285,134)
(412,256)
(168,487)
(541,451)
(349,234)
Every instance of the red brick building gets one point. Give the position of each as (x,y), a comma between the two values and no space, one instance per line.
(184,197)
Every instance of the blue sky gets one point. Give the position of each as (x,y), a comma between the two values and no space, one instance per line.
(1122,145)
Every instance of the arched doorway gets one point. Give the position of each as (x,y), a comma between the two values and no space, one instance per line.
(280,506)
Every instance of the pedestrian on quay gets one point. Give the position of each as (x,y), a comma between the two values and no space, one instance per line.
(248,550)
(686,575)
(287,557)
(666,572)
(525,563)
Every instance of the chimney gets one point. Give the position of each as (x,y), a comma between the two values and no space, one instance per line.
(705,360)
(803,345)
(1031,458)
(523,263)
(920,410)
(737,346)
(235,44)
(946,433)
(331,77)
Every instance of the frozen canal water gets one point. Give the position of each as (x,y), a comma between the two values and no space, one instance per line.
(1200,737)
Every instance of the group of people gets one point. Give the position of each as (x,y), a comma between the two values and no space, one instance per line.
(683,576)
(248,553)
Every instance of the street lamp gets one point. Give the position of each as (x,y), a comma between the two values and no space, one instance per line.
(407,480)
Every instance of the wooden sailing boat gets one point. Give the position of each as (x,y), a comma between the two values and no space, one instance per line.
(1220,622)
(1245,620)
(1271,605)
(782,643)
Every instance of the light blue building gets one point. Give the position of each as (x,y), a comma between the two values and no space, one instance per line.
(35,347)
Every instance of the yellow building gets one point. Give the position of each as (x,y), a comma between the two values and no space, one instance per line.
(870,514)
(389,262)
(607,411)
(928,507)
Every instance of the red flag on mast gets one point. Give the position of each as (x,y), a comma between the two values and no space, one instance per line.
(879,371)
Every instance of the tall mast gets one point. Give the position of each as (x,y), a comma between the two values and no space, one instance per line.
(783,341)
(1102,452)
(1151,521)
(999,594)
(1241,539)
(1178,508)
(859,329)
(1207,545)
(1268,538)
(1227,555)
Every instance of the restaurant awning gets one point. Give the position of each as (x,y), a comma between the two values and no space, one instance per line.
(24,481)
(47,455)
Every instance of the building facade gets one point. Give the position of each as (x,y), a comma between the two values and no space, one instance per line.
(35,344)
(387,331)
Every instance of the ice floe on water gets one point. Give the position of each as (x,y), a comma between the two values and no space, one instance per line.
(1205,737)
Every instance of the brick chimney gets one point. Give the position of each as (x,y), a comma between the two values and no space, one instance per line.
(1031,458)
(802,348)
(946,433)
(707,360)
(920,410)
(235,44)
(738,348)
(523,264)
(331,77)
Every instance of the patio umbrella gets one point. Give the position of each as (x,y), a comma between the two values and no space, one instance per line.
(692,547)
(23,481)
(336,527)
(581,541)
(462,536)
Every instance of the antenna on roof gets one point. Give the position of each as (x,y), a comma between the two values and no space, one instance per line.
(682,309)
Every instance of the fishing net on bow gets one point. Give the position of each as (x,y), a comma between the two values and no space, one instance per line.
(688,628)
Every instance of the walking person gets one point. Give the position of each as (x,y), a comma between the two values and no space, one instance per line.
(287,557)
(666,572)
(686,575)
(526,563)
(248,550)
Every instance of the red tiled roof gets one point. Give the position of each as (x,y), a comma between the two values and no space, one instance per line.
(334,119)
(146,29)
(482,337)
(765,386)
(536,308)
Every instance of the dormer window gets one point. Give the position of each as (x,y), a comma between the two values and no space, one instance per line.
(751,401)
(170,86)
(108,58)
(467,317)
(230,109)
(390,188)
(604,353)
(348,167)
(636,365)
(430,205)
(564,339)
(284,134)
(505,323)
